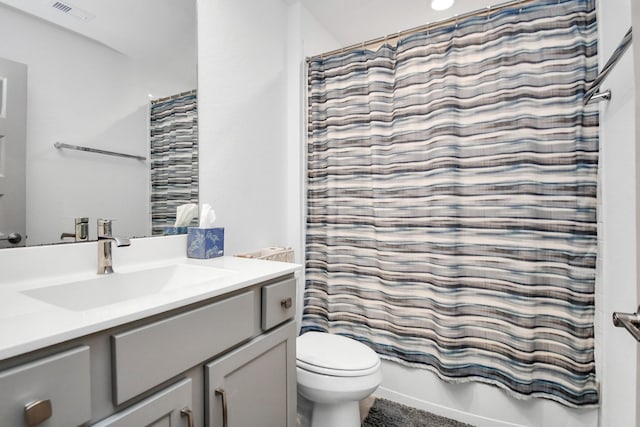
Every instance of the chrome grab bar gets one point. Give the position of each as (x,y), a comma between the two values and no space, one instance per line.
(591,93)
(14,238)
(629,321)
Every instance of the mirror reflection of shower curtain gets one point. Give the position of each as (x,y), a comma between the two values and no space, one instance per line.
(451,199)
(174,157)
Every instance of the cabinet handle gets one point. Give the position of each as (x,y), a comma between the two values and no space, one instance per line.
(186,412)
(223,395)
(286,303)
(37,412)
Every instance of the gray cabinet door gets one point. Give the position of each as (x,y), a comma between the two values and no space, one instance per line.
(255,384)
(167,408)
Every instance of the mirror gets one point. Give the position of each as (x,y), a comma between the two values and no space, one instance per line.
(93,68)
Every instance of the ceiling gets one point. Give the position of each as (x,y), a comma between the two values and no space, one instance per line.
(144,29)
(157,30)
(355,21)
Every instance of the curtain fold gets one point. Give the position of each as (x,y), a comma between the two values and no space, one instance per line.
(451,202)
(174,158)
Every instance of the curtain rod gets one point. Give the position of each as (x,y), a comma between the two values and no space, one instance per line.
(178,95)
(428,26)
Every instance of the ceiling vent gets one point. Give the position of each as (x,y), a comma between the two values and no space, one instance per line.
(71,10)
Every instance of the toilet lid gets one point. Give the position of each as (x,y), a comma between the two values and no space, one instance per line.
(336,355)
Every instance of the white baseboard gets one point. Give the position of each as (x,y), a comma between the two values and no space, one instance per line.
(465,417)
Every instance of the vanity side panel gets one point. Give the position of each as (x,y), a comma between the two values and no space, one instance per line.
(145,357)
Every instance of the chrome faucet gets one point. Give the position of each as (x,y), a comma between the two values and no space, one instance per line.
(105,263)
(81,233)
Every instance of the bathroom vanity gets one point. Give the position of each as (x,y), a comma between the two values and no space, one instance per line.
(217,352)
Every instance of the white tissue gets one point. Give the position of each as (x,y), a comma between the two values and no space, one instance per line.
(207,216)
(185,213)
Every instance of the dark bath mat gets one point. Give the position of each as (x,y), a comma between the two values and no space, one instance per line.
(385,413)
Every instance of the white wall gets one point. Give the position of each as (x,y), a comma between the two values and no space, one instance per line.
(243,119)
(306,37)
(635,8)
(616,286)
(484,405)
(295,115)
(84,93)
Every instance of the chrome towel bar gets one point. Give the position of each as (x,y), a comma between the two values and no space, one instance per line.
(96,150)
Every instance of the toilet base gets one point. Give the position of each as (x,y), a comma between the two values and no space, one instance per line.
(343,414)
(304,409)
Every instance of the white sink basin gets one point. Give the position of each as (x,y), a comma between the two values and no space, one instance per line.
(117,287)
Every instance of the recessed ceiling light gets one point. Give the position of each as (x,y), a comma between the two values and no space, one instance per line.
(441,4)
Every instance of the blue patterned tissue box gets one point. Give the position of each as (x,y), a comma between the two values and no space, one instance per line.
(205,242)
(170,230)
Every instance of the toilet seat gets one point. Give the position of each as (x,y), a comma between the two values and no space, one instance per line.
(337,372)
(335,355)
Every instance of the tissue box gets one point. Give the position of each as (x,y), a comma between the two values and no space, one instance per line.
(170,230)
(205,242)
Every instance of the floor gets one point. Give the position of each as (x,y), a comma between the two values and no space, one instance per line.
(387,413)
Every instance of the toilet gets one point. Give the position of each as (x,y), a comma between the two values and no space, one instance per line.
(334,373)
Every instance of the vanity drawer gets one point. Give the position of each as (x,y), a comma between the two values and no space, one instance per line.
(149,355)
(64,380)
(278,303)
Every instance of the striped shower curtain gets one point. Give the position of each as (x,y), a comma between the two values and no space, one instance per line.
(451,205)
(174,157)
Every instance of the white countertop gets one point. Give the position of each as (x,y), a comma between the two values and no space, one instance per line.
(28,324)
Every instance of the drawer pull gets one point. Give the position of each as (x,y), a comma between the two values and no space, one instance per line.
(286,303)
(223,395)
(186,412)
(37,412)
